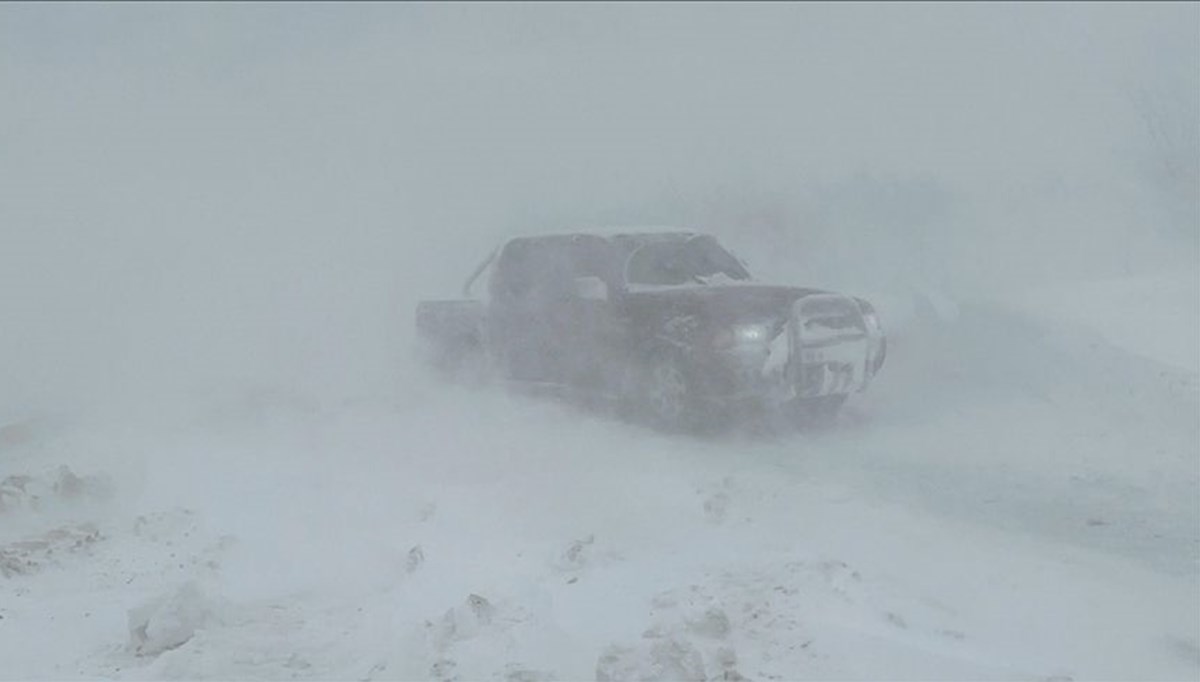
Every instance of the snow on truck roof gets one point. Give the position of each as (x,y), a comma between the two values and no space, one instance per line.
(617,235)
(610,231)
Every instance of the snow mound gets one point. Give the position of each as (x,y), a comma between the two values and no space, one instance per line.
(29,556)
(466,620)
(35,493)
(667,658)
(168,622)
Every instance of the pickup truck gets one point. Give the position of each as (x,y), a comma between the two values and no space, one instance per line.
(669,325)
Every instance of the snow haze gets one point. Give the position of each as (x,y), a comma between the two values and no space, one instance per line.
(216,222)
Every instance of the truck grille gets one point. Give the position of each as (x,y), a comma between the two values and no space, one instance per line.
(829,344)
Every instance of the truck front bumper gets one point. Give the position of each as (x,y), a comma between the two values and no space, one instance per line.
(827,347)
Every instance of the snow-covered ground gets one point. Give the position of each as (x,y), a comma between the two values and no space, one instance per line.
(1017,498)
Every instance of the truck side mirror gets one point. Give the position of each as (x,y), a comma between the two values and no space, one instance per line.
(591,288)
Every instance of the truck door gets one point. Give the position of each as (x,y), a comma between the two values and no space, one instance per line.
(543,326)
(528,316)
(591,330)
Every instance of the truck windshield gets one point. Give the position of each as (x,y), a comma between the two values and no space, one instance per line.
(697,260)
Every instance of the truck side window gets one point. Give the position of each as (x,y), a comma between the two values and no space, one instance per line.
(595,258)
(546,268)
(510,278)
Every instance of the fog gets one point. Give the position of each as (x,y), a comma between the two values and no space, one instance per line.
(220,457)
(211,198)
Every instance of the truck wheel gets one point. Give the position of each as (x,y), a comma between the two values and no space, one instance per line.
(474,366)
(664,392)
(463,363)
(818,412)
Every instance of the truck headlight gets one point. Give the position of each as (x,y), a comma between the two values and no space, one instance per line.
(750,333)
(741,335)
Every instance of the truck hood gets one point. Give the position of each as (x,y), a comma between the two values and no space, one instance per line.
(730,302)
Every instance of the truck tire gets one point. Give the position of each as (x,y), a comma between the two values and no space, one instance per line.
(663,393)
(474,366)
(464,362)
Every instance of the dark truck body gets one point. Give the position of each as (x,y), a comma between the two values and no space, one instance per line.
(669,324)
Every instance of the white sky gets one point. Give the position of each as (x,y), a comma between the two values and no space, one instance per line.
(249,192)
